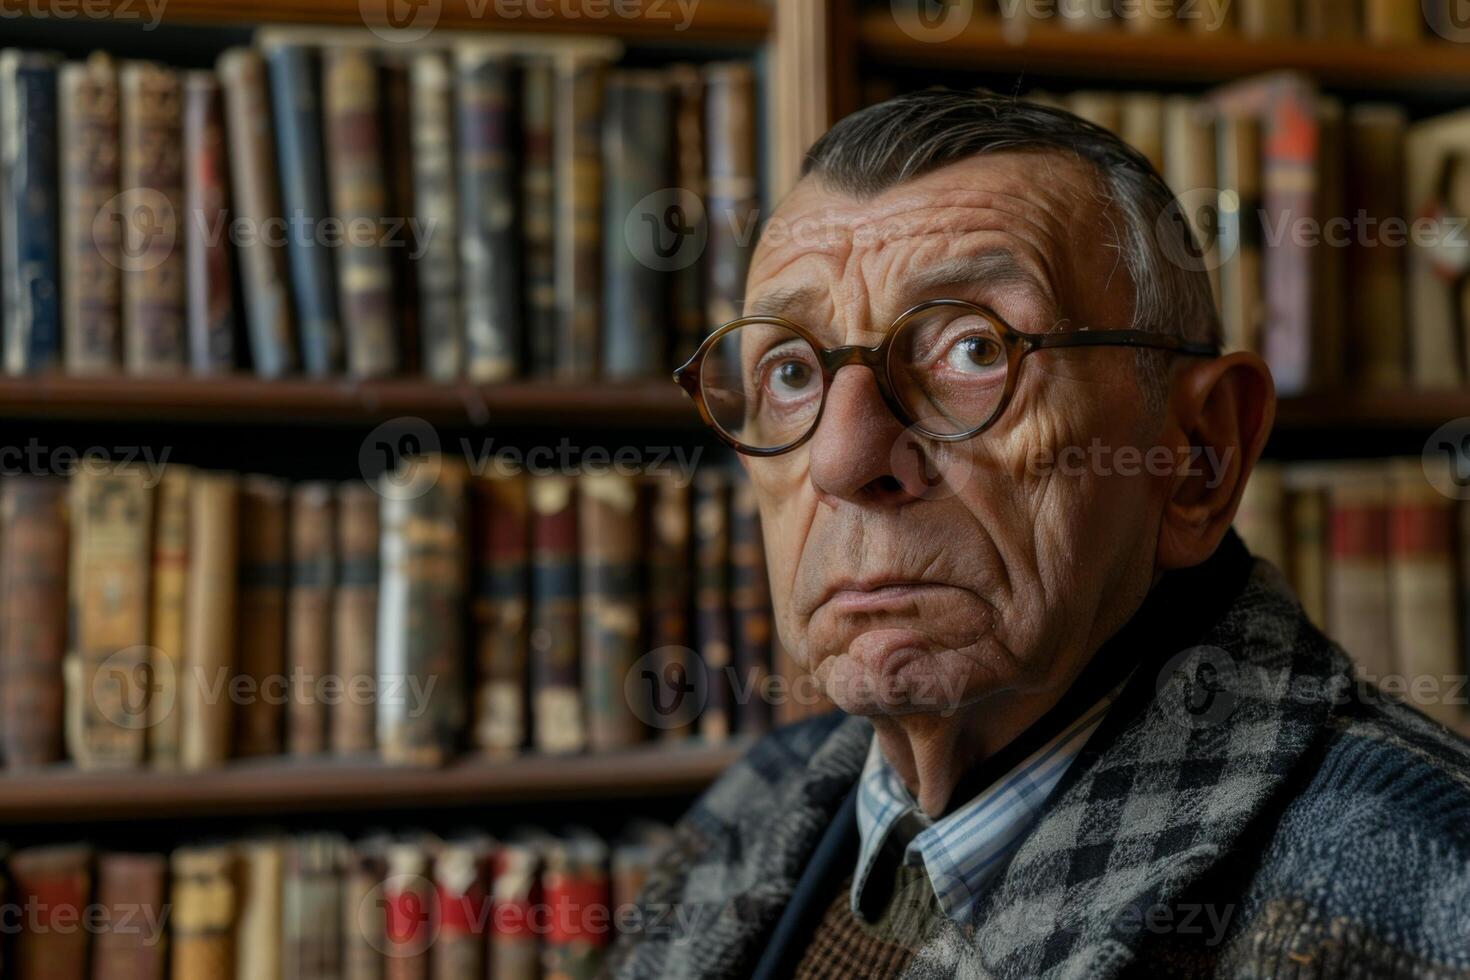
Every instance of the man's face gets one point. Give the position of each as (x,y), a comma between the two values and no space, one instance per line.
(902,596)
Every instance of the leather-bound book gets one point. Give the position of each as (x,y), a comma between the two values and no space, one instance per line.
(638,159)
(167,604)
(461,872)
(297,110)
(1189,170)
(404,244)
(574,881)
(208,261)
(313,574)
(686,304)
(1422,586)
(489,250)
(311,908)
(1328,340)
(668,595)
(750,610)
(1331,20)
(131,943)
(1437,185)
(436,205)
(1306,523)
(257,202)
(578,169)
(33,529)
(263,582)
(359,195)
(1142,124)
(1359,601)
(409,910)
(500,517)
(421,648)
(538,212)
(29,252)
(364,937)
(1393,22)
(612,622)
(1267,19)
(203,898)
(55,882)
(515,892)
(209,624)
(91,253)
(108,673)
(355,618)
(153,219)
(1377,343)
(1242,308)
(712,598)
(258,896)
(734,208)
(557,721)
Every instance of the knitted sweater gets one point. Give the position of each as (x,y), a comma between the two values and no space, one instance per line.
(1246,810)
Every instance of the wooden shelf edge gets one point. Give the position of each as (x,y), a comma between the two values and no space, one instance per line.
(286,786)
(1407,411)
(984,45)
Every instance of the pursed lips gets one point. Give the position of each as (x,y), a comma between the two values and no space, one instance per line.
(875,595)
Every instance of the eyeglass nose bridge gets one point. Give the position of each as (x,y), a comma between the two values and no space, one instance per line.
(834,359)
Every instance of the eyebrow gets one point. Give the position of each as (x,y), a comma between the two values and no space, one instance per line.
(788,302)
(998,267)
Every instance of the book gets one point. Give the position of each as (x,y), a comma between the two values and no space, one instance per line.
(1393,22)
(421,644)
(1103,109)
(1439,294)
(1331,20)
(355,619)
(152,218)
(55,883)
(208,263)
(352,108)
(733,210)
(558,724)
(33,556)
(1141,123)
(1358,596)
(259,899)
(1261,520)
(296,105)
(109,673)
(1190,172)
(405,236)
(90,250)
(686,305)
(130,941)
(311,907)
(29,251)
(750,610)
(313,576)
(1242,311)
(712,598)
(538,104)
(203,901)
(262,599)
(364,936)
(578,182)
(612,626)
(1307,558)
(515,892)
(408,907)
(1267,19)
(1377,334)
(436,205)
(490,273)
(256,204)
(461,869)
(1327,363)
(575,877)
(206,717)
(168,604)
(668,706)
(501,521)
(637,165)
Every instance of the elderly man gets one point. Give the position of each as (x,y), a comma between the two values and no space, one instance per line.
(1083,733)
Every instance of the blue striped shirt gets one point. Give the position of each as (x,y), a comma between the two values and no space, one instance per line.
(962,851)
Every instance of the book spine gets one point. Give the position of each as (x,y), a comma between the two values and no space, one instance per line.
(298,121)
(669,597)
(490,275)
(1190,169)
(258,885)
(1358,598)
(55,882)
(750,610)
(33,527)
(108,672)
(360,201)
(556,701)
(687,302)
(1421,529)
(405,236)
(1327,309)
(574,882)
(311,908)
(578,169)
(264,579)
(153,289)
(734,209)
(712,598)
(309,616)
(1290,184)
(1308,562)
(1330,20)
(208,266)
(355,618)
(1267,18)
(203,913)
(167,613)
(612,626)
(1240,231)
(257,206)
(515,891)
(209,623)
(437,207)
(131,895)
(91,252)
(420,625)
(538,212)
(1157,18)
(408,894)
(502,612)
(29,254)
(459,883)
(638,157)
(1393,22)
(1376,273)
(364,938)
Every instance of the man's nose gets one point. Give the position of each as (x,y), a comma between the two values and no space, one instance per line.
(852,450)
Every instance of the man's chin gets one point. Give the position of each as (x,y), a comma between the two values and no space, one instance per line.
(894,672)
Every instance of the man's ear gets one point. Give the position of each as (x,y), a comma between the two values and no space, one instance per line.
(1220,413)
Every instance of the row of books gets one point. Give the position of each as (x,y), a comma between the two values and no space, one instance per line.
(1380,559)
(217,616)
(477,210)
(1377,21)
(410,906)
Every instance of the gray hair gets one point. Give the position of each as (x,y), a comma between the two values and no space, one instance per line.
(906,137)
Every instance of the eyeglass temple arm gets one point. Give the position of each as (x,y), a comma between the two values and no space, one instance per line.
(1122,338)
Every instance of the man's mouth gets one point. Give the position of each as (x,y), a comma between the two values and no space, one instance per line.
(873,596)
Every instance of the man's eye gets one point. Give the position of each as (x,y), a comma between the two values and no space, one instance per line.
(973,355)
(789,378)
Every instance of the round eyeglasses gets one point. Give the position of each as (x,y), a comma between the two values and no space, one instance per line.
(946,368)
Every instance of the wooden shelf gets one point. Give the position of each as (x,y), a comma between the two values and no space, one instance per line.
(726,21)
(253,401)
(1178,56)
(287,786)
(1406,411)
